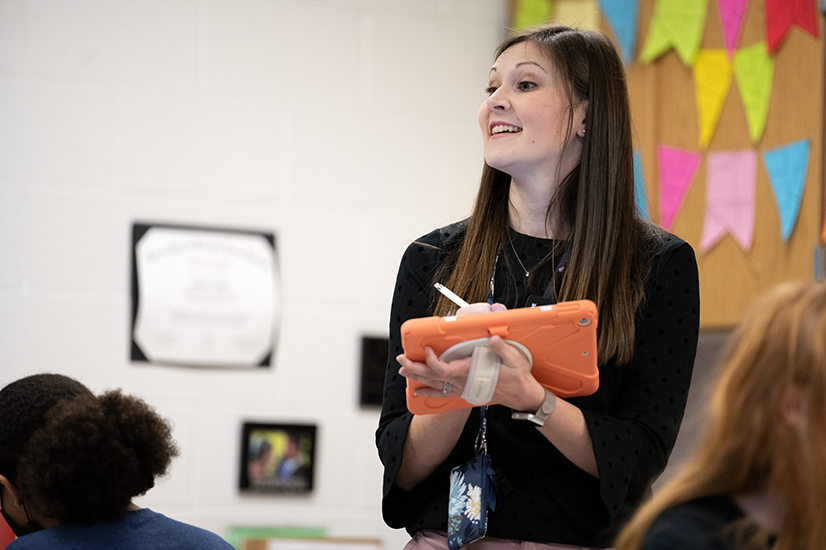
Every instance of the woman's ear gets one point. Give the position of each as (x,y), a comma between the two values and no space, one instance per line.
(580,122)
(794,407)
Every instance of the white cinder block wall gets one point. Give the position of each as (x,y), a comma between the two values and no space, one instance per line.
(347,127)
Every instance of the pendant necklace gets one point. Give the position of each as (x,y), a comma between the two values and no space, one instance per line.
(527,273)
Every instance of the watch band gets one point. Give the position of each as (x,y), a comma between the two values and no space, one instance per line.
(545,409)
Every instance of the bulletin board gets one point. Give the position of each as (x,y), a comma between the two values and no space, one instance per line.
(743,184)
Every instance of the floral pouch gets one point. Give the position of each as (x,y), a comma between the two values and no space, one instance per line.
(472,496)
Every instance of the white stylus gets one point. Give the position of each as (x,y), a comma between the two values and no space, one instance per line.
(450,294)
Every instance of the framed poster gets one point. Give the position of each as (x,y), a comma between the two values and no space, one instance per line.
(277,458)
(204,296)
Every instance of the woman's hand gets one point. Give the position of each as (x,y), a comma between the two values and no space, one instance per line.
(480,307)
(435,373)
(515,388)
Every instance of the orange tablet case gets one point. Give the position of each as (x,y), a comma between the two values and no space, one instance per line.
(561,339)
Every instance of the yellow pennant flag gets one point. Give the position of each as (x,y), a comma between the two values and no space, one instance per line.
(531,12)
(712,78)
(581,14)
(754,70)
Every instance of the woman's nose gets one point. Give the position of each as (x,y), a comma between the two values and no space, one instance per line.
(497,101)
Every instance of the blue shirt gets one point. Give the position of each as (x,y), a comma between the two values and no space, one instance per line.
(139,530)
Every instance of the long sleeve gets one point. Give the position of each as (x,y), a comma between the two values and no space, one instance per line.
(635,423)
(411,299)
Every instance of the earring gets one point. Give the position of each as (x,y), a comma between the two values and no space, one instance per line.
(583,132)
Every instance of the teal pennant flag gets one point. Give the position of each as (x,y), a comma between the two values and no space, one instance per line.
(787,167)
(622,16)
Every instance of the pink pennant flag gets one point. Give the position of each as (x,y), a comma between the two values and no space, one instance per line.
(730,184)
(731,15)
(677,167)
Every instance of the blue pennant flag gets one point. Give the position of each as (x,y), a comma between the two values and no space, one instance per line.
(622,17)
(787,167)
(639,187)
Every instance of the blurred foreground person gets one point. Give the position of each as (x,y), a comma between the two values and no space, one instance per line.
(757,479)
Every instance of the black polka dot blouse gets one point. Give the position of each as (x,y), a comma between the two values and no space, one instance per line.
(633,418)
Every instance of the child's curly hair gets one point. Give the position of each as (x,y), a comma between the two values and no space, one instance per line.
(92,454)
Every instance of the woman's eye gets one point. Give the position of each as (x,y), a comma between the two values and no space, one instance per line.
(490,89)
(524,86)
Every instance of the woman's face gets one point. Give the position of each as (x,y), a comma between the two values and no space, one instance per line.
(525,118)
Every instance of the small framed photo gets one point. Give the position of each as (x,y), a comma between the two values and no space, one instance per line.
(277,458)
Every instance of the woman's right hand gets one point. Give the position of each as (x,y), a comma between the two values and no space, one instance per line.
(431,438)
(436,374)
(480,307)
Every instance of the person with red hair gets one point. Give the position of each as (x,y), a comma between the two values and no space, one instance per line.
(756,480)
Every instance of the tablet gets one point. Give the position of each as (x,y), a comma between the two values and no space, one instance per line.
(560,341)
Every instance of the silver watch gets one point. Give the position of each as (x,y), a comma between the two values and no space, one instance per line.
(545,409)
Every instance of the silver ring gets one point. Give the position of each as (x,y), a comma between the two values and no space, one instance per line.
(447,387)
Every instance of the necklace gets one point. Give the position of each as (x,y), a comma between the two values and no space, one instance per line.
(515,253)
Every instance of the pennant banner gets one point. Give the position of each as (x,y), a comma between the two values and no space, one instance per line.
(640,197)
(582,14)
(531,12)
(782,14)
(677,168)
(787,167)
(677,23)
(730,185)
(622,17)
(754,69)
(712,78)
(731,16)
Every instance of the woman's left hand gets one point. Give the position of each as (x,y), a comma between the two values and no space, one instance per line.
(516,386)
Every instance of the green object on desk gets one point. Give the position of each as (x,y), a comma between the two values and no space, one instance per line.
(237,535)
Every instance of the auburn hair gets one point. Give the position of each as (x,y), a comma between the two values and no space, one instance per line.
(778,351)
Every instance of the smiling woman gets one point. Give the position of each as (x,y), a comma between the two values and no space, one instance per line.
(554,219)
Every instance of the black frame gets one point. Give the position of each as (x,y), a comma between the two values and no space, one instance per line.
(139,229)
(373,366)
(281,469)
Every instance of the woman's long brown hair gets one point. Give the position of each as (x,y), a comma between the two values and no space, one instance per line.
(594,203)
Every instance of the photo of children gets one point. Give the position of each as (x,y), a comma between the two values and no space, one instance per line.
(277,458)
